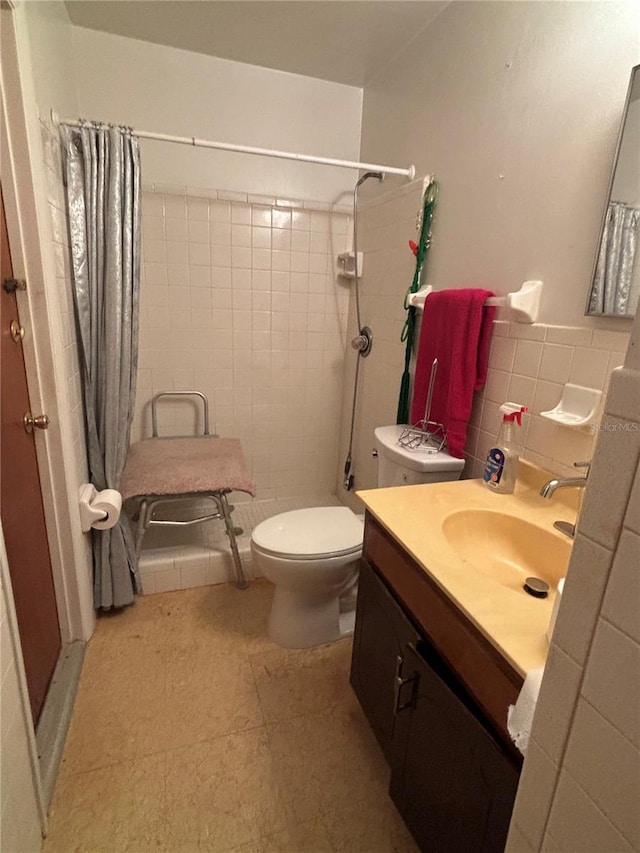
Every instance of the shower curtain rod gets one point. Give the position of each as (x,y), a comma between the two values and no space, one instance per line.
(248,149)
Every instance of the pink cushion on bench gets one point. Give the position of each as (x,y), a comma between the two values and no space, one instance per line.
(180,466)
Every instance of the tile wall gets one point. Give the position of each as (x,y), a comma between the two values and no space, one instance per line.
(384,227)
(65,321)
(528,363)
(580,786)
(240,299)
(19,818)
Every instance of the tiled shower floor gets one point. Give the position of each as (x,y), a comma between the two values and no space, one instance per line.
(180,559)
(191,731)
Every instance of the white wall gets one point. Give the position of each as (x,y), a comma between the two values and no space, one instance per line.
(49,33)
(528,364)
(44,45)
(19,819)
(157,88)
(35,77)
(384,227)
(516,107)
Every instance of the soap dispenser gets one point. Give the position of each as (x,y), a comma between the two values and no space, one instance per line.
(502,460)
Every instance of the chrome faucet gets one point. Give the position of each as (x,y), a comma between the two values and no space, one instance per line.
(567,482)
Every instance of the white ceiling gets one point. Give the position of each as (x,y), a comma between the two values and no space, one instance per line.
(347,42)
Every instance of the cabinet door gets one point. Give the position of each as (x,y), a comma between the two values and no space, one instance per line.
(382,631)
(451,781)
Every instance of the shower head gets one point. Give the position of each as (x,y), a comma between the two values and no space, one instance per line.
(367,175)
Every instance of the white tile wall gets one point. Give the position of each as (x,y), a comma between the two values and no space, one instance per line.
(240,299)
(530,364)
(576,823)
(385,225)
(600,686)
(538,774)
(19,819)
(587,723)
(585,585)
(605,764)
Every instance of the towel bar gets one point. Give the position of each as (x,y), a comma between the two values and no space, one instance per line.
(525,303)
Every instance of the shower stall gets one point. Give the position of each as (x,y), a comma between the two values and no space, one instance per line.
(241,298)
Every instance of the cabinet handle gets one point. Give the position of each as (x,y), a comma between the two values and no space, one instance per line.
(400,682)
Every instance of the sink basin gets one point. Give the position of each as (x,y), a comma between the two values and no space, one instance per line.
(506,548)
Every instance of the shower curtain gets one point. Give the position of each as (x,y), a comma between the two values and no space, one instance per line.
(614,269)
(103,194)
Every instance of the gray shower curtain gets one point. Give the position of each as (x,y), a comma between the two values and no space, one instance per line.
(614,269)
(103,194)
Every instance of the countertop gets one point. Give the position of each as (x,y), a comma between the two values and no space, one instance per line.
(510,619)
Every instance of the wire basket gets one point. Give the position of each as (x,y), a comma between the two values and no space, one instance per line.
(427,436)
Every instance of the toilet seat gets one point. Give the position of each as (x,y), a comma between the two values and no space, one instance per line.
(310,534)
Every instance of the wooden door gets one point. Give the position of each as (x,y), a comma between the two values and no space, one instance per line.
(21,507)
(381,634)
(452,782)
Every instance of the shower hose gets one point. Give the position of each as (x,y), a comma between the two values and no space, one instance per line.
(363,341)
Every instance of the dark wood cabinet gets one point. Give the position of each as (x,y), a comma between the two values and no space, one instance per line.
(382,633)
(453,784)
(416,662)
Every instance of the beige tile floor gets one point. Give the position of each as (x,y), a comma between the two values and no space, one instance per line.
(191,731)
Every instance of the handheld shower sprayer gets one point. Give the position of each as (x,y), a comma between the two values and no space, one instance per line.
(363,341)
(366,176)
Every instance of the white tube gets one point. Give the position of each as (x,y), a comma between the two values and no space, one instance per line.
(262,152)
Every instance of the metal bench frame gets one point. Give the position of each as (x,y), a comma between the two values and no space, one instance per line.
(223,509)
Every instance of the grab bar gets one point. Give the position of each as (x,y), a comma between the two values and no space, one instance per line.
(156,397)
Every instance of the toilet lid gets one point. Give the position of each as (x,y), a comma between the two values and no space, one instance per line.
(315,532)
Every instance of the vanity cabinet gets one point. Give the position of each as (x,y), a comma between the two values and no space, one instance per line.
(451,781)
(382,633)
(435,693)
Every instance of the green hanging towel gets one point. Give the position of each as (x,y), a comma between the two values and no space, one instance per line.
(429,203)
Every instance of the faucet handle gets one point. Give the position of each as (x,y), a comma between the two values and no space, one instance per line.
(586,465)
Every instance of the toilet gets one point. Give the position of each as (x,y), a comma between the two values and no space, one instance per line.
(312,556)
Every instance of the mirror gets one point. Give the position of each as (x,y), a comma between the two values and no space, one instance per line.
(616,276)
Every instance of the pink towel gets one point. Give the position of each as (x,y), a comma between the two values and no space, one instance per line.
(456,329)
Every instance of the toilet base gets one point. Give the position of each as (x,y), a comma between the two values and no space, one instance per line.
(302,621)
(347,623)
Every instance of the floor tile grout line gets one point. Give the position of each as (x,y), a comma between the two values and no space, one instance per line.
(253,654)
(154,753)
(315,713)
(255,686)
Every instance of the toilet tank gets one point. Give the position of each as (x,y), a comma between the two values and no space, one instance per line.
(400,466)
